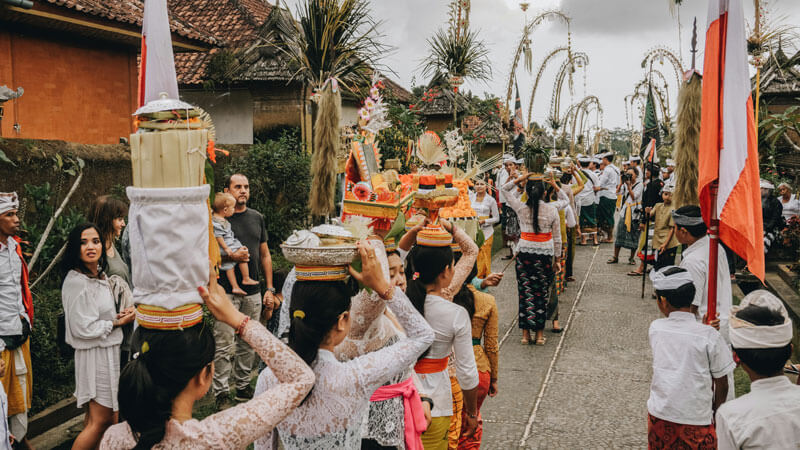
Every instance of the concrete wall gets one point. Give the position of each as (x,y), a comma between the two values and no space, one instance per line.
(75,90)
(276,105)
(231,111)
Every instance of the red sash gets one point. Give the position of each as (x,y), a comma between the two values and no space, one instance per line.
(428,365)
(536,237)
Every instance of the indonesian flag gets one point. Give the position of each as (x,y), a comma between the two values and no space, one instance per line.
(728,144)
(157,67)
(650,152)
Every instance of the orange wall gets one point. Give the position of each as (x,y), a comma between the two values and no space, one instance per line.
(78,91)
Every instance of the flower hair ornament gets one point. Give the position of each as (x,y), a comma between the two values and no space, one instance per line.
(144,349)
(299,314)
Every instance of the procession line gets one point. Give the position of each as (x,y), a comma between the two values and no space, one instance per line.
(539,398)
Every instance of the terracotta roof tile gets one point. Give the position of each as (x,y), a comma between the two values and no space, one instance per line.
(131,12)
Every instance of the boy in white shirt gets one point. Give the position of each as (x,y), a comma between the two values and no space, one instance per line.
(768,416)
(688,357)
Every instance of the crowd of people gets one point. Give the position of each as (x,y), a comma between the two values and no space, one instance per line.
(403,352)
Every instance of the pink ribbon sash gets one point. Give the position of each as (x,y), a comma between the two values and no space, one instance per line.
(414,415)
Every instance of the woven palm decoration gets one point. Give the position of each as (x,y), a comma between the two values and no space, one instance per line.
(687,142)
(430,150)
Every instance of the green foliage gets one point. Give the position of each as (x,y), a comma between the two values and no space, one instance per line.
(457,55)
(775,138)
(53,376)
(337,39)
(41,206)
(406,125)
(280,179)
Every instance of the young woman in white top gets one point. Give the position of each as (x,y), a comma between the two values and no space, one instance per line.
(539,254)
(488,215)
(437,281)
(331,416)
(791,205)
(93,329)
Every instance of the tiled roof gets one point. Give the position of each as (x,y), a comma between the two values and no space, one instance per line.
(234,22)
(131,12)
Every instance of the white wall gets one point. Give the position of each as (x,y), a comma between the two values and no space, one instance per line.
(231,111)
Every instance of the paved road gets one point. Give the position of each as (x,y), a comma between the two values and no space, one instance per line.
(585,388)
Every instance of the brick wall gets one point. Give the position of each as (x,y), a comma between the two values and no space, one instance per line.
(75,90)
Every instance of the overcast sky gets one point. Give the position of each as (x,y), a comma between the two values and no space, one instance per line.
(615,34)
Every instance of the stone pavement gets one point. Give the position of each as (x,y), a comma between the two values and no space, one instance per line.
(587,387)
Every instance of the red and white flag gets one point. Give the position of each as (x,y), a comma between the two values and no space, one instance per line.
(650,154)
(157,67)
(728,143)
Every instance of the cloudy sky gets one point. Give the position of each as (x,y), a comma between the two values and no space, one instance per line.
(615,35)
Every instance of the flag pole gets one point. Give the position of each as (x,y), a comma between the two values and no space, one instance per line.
(713,254)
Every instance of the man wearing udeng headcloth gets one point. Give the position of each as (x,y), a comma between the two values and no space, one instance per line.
(692,232)
(768,416)
(16,315)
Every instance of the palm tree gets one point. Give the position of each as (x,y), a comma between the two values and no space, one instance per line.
(334,42)
(458,56)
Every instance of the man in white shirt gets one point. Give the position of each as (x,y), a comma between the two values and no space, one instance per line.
(691,231)
(671,171)
(636,162)
(691,362)
(769,415)
(16,314)
(587,202)
(509,166)
(606,192)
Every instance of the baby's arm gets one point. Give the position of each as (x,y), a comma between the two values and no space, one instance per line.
(223,245)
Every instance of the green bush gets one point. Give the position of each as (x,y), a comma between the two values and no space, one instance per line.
(280,180)
(53,376)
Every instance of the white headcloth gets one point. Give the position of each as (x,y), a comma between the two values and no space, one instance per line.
(507,158)
(745,335)
(663,282)
(766,184)
(8,201)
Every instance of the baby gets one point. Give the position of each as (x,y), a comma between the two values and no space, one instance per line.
(223,208)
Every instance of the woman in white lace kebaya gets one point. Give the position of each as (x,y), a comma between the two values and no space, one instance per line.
(538,253)
(332,415)
(173,369)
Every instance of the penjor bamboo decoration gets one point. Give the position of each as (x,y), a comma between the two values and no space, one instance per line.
(326,146)
(688,141)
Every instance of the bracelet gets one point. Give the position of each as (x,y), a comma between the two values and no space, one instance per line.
(386,295)
(240,328)
(427,399)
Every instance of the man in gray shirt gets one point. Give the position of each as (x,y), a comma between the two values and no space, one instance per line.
(234,357)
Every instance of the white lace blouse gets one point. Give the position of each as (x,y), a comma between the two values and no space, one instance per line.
(549,222)
(240,425)
(486,210)
(331,416)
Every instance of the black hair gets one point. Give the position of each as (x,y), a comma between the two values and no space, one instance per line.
(229,179)
(681,297)
(428,263)
(72,253)
(150,383)
(566,178)
(278,279)
(697,231)
(464,297)
(536,192)
(609,157)
(763,361)
(321,303)
(103,211)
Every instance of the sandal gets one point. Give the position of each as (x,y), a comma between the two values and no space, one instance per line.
(541,341)
(524,341)
(573,278)
(631,262)
(557,330)
(634,273)
(610,261)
